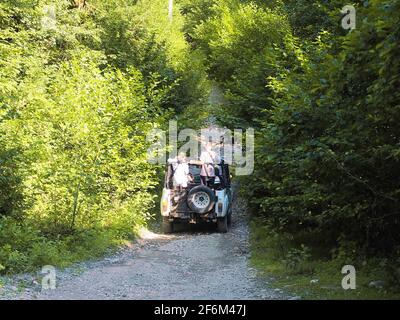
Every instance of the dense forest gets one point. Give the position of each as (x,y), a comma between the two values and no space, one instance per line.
(77,100)
(325,105)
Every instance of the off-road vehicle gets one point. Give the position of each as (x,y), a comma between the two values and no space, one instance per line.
(197,202)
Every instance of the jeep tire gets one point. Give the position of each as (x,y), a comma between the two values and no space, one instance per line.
(222,224)
(167,226)
(201,199)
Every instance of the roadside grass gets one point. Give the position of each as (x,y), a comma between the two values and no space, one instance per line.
(24,248)
(298,271)
(19,255)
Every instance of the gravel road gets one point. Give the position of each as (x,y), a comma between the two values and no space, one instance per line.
(195,264)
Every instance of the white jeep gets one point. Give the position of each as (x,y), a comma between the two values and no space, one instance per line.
(197,202)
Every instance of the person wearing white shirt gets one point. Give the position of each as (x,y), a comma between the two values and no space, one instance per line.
(181,172)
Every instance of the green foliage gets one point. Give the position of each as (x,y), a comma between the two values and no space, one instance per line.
(310,18)
(196,12)
(304,273)
(141,35)
(325,104)
(244,43)
(76,103)
(295,259)
(327,151)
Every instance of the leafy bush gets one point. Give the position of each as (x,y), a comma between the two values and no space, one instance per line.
(330,131)
(325,105)
(296,258)
(76,103)
(244,43)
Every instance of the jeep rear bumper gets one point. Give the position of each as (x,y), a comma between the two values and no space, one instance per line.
(192,217)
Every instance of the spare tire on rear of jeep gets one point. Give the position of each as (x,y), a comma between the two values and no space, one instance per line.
(201,199)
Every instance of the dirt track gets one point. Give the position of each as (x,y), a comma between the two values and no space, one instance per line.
(195,264)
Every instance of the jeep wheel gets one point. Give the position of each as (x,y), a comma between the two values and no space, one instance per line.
(167,226)
(222,224)
(229,219)
(201,199)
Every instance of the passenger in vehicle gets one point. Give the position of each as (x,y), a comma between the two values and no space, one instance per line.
(181,172)
(209,159)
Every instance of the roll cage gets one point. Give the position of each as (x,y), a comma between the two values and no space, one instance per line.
(221,171)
